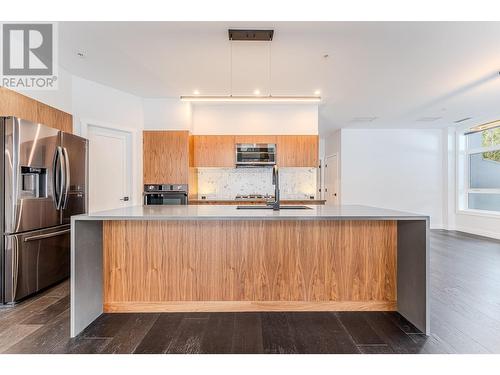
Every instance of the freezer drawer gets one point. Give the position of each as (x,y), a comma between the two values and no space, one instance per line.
(35,260)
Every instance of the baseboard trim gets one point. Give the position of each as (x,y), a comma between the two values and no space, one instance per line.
(248,306)
(483,233)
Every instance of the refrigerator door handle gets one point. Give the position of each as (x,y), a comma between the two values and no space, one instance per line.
(59,177)
(48,235)
(67,177)
(15,265)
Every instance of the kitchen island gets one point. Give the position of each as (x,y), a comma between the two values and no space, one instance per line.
(220,258)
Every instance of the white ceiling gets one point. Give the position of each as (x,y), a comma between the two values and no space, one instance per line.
(397,72)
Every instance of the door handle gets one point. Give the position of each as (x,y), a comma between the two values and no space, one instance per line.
(58,178)
(15,266)
(67,176)
(125,199)
(47,235)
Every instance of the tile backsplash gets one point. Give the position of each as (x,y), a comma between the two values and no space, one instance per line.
(226,183)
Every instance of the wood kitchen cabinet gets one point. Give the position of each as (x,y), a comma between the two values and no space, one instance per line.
(255,139)
(54,118)
(166,157)
(297,150)
(18,105)
(219,150)
(214,150)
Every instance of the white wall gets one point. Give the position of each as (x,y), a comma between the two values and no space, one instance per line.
(481,224)
(60,98)
(260,118)
(94,101)
(397,169)
(166,114)
(332,143)
(96,104)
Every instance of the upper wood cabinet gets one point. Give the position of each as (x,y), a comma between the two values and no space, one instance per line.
(297,150)
(54,118)
(214,150)
(18,105)
(219,150)
(166,157)
(254,139)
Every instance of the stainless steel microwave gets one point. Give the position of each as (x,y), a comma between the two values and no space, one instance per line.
(255,154)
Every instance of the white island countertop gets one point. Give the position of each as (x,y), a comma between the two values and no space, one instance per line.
(225,212)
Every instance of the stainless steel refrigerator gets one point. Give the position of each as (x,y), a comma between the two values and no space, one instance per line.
(44,183)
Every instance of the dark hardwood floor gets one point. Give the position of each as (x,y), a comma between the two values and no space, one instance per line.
(465,318)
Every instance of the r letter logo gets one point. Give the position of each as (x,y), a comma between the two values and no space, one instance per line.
(28,54)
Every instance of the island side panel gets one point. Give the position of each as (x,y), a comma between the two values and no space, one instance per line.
(86,274)
(250,265)
(413,272)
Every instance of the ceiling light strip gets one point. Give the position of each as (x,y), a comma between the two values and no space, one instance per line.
(276,99)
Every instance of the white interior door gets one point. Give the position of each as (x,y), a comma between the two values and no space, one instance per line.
(331,180)
(110,180)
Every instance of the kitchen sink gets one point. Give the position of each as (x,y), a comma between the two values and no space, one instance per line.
(259,207)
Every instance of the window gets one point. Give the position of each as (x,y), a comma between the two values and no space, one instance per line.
(483,169)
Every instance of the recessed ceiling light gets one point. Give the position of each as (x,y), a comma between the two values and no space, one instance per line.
(317,92)
(364,119)
(256,92)
(428,119)
(196,92)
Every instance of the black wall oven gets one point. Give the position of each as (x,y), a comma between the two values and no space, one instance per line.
(165,194)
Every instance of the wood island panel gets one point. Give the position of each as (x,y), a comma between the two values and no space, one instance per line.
(249,265)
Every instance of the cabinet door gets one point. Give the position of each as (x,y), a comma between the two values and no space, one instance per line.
(255,139)
(54,118)
(214,150)
(297,150)
(165,157)
(17,105)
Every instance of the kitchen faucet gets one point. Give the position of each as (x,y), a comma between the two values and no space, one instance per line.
(276,183)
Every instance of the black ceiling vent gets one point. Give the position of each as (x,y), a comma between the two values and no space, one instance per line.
(251,35)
